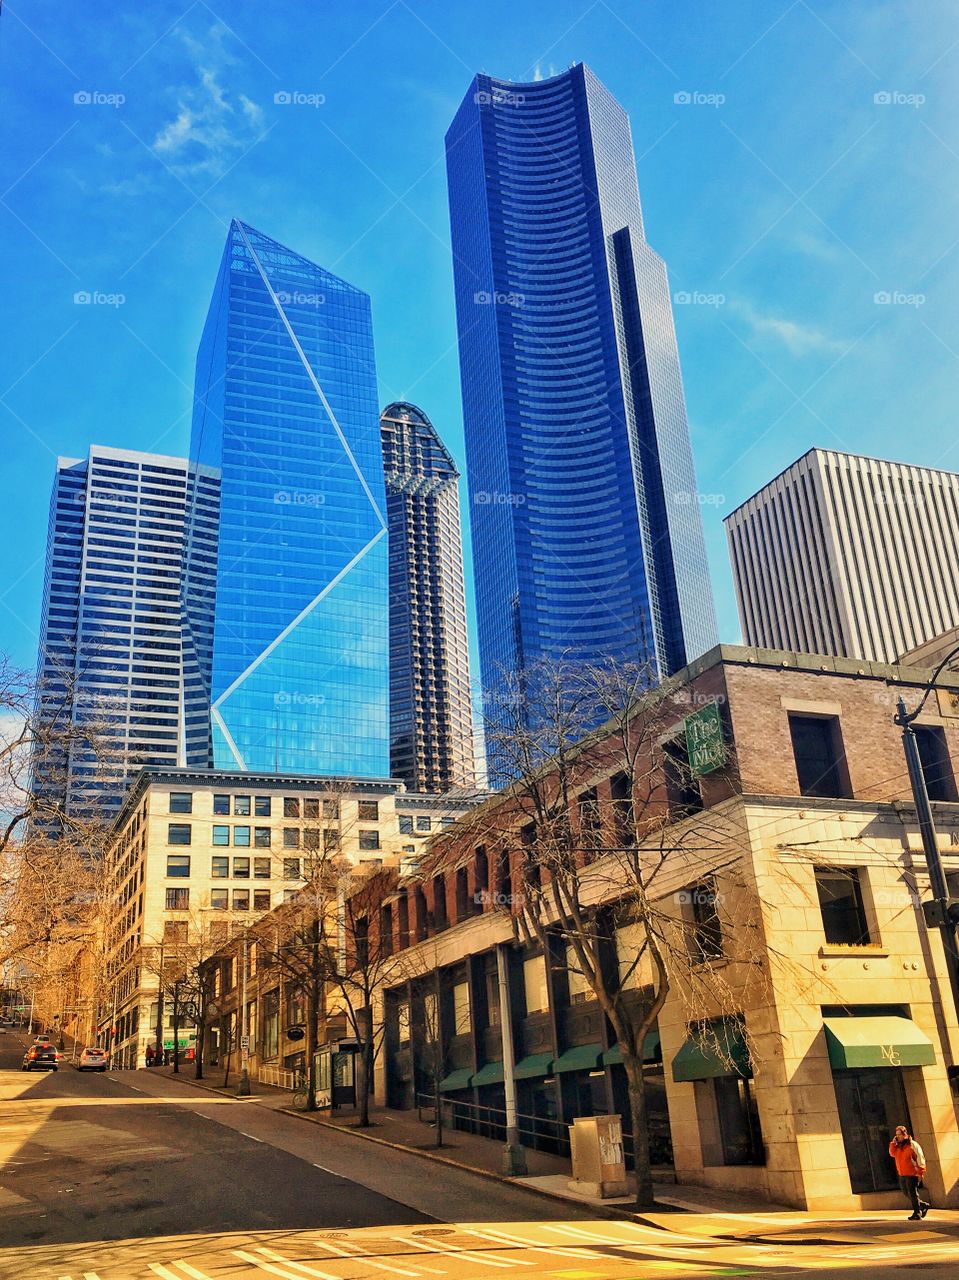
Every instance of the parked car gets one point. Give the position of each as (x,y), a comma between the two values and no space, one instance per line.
(42,1056)
(93,1060)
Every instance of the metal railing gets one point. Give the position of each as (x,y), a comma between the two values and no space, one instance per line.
(279,1077)
(540,1133)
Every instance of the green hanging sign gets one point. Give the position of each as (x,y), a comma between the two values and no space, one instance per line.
(705,746)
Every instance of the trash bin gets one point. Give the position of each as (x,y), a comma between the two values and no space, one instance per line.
(599,1166)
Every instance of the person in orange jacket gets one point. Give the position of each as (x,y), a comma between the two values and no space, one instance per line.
(910,1166)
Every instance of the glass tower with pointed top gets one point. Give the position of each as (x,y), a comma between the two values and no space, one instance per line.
(293,652)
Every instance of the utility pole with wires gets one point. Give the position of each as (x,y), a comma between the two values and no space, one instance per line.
(943,911)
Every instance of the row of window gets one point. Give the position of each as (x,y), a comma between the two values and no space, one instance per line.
(244,837)
(179,900)
(178,867)
(262,806)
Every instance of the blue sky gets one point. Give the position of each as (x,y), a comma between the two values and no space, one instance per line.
(795,161)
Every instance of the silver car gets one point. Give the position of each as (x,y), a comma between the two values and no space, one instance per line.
(93,1060)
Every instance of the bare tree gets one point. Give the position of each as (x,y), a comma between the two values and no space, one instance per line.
(632,887)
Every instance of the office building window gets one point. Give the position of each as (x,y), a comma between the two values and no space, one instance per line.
(221,805)
(311,807)
(819,756)
(220,867)
(936,765)
(241,868)
(406,824)
(262,806)
(331,838)
(841,903)
(175,931)
(291,869)
(177,899)
(219,899)
(291,837)
(261,837)
(311,837)
(261,899)
(368,810)
(241,806)
(331,809)
(241,899)
(369,839)
(261,868)
(181,802)
(289,895)
(423,823)
(241,837)
(221,835)
(461,1008)
(178,833)
(534,984)
(291,807)
(178,864)
(705,935)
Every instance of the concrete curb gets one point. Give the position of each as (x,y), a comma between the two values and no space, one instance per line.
(602,1211)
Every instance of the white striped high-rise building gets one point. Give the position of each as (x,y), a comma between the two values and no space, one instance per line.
(848,555)
(114,647)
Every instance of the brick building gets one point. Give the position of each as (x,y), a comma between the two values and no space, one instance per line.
(835,1004)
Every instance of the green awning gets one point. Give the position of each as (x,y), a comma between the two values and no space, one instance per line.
(537,1064)
(727,1056)
(652,1051)
(456,1080)
(492,1073)
(584,1057)
(877,1042)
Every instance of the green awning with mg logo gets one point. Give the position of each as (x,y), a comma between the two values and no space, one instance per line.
(877,1042)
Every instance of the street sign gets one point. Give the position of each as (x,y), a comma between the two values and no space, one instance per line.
(704,740)
(244,1042)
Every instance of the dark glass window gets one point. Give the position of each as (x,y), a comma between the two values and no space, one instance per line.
(819,755)
(369,839)
(621,796)
(241,899)
(219,899)
(221,805)
(936,765)
(840,901)
(682,789)
(291,869)
(738,1116)
(177,899)
(291,837)
(181,802)
(368,810)
(241,806)
(406,824)
(261,837)
(311,807)
(423,823)
(261,868)
(220,868)
(241,868)
(261,806)
(178,864)
(178,833)
(331,809)
(291,807)
(261,899)
(707,938)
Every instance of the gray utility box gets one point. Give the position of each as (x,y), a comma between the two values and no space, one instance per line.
(596,1147)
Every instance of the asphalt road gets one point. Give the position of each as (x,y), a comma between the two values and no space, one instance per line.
(111,1177)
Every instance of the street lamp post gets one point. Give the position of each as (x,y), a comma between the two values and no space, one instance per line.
(243,1087)
(514,1154)
(942,912)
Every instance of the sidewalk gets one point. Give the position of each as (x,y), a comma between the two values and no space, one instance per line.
(685,1209)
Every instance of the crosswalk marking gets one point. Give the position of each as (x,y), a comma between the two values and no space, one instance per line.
(500,1237)
(352,1253)
(454,1250)
(266,1266)
(191,1271)
(159,1269)
(299,1266)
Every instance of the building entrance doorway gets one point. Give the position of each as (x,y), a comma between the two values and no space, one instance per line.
(871,1103)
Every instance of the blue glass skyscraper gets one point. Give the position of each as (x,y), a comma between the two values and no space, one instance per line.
(587,537)
(296,676)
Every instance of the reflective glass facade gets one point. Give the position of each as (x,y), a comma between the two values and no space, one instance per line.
(285,409)
(112,648)
(587,538)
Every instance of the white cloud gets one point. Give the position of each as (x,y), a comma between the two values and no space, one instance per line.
(800,339)
(211,124)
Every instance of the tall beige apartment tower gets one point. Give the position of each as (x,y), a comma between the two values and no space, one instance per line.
(847,555)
